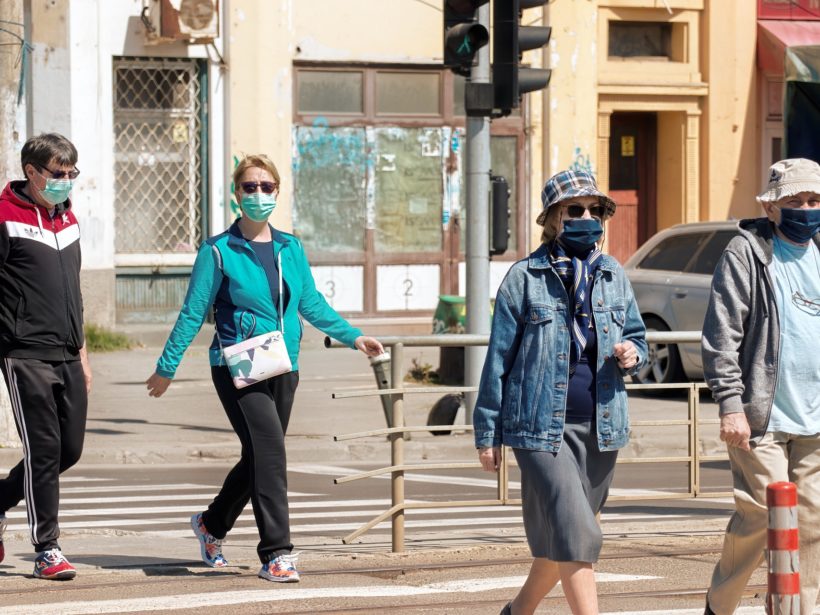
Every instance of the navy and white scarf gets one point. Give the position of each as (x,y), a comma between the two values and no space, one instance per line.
(576,274)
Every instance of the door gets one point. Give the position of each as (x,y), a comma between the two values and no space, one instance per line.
(632,173)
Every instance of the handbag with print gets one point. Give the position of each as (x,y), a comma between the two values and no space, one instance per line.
(261,357)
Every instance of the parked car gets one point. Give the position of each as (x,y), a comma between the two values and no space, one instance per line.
(672,276)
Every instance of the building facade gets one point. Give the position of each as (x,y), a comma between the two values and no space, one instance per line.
(670,103)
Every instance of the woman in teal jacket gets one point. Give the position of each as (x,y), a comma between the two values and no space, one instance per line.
(236,273)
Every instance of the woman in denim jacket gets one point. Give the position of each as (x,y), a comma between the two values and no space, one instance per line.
(565,330)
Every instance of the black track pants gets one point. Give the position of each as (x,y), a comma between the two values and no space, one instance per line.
(259,414)
(50,404)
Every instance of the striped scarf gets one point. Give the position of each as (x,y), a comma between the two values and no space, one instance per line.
(576,274)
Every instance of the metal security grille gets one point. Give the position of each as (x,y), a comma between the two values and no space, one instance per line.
(157,166)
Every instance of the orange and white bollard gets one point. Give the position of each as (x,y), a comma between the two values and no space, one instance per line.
(782,550)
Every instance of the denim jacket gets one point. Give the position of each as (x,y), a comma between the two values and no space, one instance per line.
(522,396)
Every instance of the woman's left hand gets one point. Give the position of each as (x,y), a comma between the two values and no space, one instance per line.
(627,354)
(369,345)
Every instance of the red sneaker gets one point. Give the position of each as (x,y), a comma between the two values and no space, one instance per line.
(53,565)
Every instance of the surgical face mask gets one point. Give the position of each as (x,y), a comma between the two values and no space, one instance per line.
(258,206)
(56,191)
(799,225)
(581,234)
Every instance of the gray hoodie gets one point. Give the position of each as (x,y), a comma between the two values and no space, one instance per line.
(741,331)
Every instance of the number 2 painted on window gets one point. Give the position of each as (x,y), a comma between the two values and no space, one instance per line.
(408,287)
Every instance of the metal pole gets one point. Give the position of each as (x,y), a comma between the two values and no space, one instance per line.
(478,240)
(397,449)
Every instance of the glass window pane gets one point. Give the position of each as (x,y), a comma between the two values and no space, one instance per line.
(706,261)
(408,93)
(329,173)
(330,92)
(458,95)
(640,39)
(503,159)
(409,190)
(673,253)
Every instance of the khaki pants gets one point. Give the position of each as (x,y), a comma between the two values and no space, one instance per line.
(778,457)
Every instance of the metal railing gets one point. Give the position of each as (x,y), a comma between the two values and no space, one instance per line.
(394,411)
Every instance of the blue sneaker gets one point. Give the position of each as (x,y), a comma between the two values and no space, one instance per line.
(281,569)
(209,547)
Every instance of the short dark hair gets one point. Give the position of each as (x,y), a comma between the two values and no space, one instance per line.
(44,148)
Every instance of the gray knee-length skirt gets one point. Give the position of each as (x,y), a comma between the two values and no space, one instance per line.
(562,492)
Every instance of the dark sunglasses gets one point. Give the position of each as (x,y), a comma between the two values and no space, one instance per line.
(73,174)
(577,211)
(251,187)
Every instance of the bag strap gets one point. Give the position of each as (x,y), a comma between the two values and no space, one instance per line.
(281,309)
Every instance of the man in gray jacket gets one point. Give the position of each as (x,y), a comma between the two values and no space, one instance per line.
(761,361)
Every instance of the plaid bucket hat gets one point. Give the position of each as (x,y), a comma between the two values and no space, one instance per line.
(569,184)
(789,177)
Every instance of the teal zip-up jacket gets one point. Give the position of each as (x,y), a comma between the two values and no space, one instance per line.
(228,276)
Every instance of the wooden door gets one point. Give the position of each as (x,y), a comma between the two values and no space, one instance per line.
(632,181)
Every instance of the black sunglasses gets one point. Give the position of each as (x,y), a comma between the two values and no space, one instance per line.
(266,187)
(73,174)
(577,211)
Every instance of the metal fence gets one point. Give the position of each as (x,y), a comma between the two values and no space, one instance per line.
(397,433)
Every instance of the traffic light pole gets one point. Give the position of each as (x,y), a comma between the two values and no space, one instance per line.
(478,227)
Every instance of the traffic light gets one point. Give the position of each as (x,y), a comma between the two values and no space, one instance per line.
(499,214)
(463,35)
(510,40)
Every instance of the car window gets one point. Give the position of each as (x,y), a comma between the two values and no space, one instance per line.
(706,261)
(674,252)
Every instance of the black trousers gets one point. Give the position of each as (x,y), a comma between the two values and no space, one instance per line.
(50,404)
(259,415)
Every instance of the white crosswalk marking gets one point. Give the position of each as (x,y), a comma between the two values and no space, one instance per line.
(164,509)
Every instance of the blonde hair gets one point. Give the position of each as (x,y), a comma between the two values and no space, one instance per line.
(259,161)
(551,221)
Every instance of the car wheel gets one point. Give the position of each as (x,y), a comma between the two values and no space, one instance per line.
(664,365)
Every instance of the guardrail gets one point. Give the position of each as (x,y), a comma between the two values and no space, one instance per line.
(394,411)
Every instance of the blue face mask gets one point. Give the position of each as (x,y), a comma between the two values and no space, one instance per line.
(56,190)
(258,206)
(581,234)
(799,225)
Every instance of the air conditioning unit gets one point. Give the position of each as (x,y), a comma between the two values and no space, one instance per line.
(190,21)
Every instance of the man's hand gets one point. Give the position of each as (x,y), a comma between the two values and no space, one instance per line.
(157,385)
(86,369)
(735,431)
(369,345)
(627,354)
(490,458)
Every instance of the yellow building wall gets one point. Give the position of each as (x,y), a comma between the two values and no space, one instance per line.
(730,146)
(671,156)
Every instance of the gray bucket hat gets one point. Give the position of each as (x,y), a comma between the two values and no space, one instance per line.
(789,177)
(569,184)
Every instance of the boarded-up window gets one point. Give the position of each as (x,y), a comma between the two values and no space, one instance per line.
(408,93)
(640,40)
(409,191)
(503,156)
(329,187)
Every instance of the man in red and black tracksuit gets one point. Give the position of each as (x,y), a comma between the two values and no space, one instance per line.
(42,347)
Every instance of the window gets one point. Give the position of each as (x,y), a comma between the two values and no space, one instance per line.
(404,93)
(706,261)
(673,253)
(157,156)
(640,40)
(330,92)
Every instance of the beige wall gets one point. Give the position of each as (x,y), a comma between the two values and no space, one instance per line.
(730,148)
(707,129)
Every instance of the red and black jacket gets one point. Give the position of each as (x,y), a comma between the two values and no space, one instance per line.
(41,308)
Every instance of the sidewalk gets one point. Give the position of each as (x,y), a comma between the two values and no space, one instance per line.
(188,423)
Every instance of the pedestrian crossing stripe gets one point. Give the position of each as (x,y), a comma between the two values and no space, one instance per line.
(226,598)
